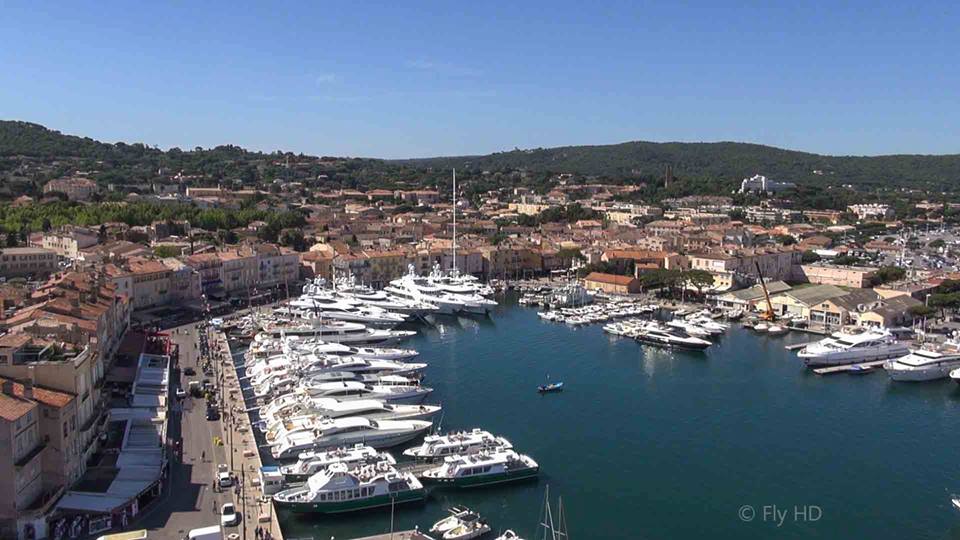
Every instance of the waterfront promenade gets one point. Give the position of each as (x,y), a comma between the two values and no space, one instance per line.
(240,445)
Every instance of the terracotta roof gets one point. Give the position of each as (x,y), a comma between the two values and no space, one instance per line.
(613,279)
(52,398)
(12,408)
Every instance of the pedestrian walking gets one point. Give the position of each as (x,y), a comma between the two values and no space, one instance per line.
(203,455)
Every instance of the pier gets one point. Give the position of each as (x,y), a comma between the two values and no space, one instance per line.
(400,535)
(849,367)
(256,509)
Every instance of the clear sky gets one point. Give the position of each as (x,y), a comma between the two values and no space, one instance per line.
(410,79)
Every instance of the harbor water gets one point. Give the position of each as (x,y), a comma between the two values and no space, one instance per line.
(739,442)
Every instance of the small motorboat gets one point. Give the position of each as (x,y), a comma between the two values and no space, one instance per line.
(860,369)
(552,387)
(777,330)
(956,503)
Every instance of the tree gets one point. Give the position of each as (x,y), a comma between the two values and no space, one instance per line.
(786,239)
(808,257)
(937,244)
(700,279)
(887,274)
(921,311)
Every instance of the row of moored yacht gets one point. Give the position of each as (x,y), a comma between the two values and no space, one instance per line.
(903,363)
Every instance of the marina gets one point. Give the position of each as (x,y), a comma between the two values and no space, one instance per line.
(483,369)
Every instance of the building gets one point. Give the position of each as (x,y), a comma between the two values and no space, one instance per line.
(76,188)
(801,301)
(46,436)
(881,212)
(69,241)
(890,313)
(752,298)
(611,283)
(27,261)
(841,276)
(22,450)
(151,283)
(735,268)
(761,184)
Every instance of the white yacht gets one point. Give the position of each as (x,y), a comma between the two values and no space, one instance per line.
(417,289)
(663,336)
(435,447)
(348,390)
(337,331)
(300,434)
(328,307)
(311,462)
(690,328)
(483,468)
(341,489)
(848,347)
(924,364)
(385,300)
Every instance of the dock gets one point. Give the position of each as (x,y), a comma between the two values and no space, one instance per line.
(849,367)
(400,535)
(238,439)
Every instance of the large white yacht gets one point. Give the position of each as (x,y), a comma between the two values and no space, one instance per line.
(850,347)
(348,288)
(374,409)
(312,462)
(665,336)
(340,489)
(325,306)
(924,364)
(484,468)
(337,331)
(454,282)
(265,345)
(436,447)
(417,289)
(300,434)
(349,390)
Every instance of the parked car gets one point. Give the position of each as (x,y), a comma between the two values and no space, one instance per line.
(189,371)
(213,413)
(224,479)
(229,515)
(181,393)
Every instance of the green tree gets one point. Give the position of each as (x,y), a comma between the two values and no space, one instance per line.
(699,279)
(808,257)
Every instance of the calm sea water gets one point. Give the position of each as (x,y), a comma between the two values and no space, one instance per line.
(737,443)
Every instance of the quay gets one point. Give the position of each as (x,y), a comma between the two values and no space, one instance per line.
(256,508)
(401,535)
(849,367)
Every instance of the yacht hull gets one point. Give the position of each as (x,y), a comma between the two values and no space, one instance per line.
(339,507)
(484,479)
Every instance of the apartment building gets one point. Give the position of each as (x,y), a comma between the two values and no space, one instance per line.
(69,241)
(21,459)
(53,419)
(27,261)
(841,276)
(76,188)
(151,283)
(731,269)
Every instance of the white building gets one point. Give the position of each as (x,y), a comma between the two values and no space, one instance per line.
(761,184)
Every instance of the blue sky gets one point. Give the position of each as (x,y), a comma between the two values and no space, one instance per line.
(409,79)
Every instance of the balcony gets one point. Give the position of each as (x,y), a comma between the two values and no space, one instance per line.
(29,456)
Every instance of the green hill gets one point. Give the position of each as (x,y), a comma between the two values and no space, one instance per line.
(725,162)
(721,164)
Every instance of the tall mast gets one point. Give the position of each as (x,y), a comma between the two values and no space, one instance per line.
(454,221)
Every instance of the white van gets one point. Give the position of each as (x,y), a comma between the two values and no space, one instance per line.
(206,533)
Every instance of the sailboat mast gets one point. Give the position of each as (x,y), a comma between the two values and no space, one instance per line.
(454,221)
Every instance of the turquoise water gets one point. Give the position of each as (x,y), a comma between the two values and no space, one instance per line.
(646,443)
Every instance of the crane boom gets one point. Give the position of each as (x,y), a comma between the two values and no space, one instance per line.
(768,315)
